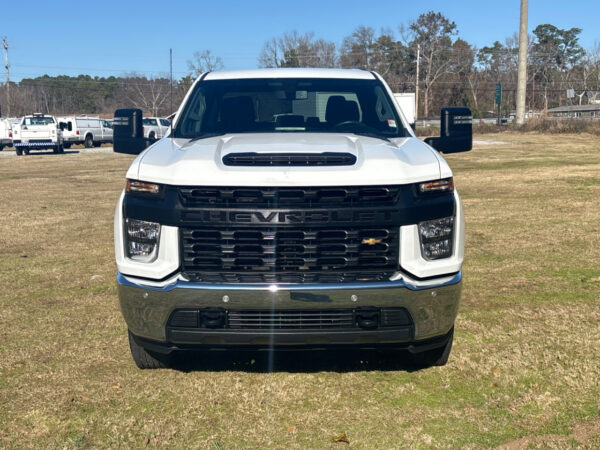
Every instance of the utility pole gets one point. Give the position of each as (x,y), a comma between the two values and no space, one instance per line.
(522,74)
(417,84)
(171,78)
(5,46)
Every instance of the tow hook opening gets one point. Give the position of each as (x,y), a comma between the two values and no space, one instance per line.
(212,318)
(366,318)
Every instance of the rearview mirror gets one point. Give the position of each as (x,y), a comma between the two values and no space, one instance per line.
(128,134)
(456,131)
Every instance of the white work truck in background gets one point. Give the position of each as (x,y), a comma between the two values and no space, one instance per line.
(89,131)
(407,103)
(155,128)
(5,133)
(37,132)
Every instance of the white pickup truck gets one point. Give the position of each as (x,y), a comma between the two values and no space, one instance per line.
(37,132)
(290,208)
(155,128)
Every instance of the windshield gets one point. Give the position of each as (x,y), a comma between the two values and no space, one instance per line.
(38,120)
(289,105)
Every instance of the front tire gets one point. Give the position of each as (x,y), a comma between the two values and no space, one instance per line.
(145,359)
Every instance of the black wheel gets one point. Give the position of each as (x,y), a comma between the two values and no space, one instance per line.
(437,356)
(19,151)
(151,139)
(26,150)
(89,141)
(145,359)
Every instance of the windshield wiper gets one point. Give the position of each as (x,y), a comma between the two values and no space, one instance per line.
(373,135)
(207,135)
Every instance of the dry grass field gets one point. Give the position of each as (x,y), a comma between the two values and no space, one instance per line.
(524,371)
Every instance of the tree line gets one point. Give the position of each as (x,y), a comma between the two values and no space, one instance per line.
(451,71)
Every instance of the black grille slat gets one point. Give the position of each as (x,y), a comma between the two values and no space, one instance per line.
(281,197)
(280,255)
(207,276)
(293,319)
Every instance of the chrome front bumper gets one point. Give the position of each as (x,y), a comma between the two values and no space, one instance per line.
(432,305)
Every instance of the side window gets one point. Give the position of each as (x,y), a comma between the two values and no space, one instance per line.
(70,126)
(145,121)
(153,122)
(165,122)
(384,109)
(191,122)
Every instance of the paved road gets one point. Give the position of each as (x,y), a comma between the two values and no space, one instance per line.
(10,153)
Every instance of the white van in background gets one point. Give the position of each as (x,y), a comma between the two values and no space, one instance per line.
(89,131)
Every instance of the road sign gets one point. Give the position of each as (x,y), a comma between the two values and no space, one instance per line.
(570,93)
(498,93)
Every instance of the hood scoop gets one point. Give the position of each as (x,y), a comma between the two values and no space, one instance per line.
(289,159)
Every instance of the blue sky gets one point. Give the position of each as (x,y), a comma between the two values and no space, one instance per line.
(116,37)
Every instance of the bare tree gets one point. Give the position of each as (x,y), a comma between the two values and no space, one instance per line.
(357,49)
(204,62)
(433,33)
(148,94)
(271,54)
(297,50)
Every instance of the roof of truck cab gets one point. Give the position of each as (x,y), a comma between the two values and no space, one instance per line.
(354,74)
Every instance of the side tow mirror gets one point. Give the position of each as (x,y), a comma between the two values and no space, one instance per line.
(128,134)
(456,131)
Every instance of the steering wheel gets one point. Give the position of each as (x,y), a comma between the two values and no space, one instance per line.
(347,123)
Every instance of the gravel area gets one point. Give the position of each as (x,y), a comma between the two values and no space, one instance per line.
(10,152)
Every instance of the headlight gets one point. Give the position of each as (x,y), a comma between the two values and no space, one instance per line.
(443,185)
(142,187)
(436,238)
(142,239)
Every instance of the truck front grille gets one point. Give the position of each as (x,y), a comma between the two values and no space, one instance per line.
(299,255)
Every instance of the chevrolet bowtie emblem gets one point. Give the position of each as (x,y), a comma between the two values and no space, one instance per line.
(371,241)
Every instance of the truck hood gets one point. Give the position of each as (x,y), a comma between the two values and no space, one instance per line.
(192,163)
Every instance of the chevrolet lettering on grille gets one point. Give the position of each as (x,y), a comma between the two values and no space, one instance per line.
(292,217)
